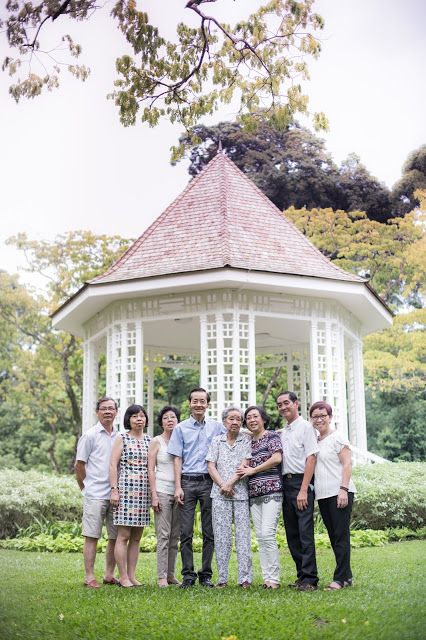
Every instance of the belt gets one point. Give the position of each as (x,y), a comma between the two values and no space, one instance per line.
(293,475)
(196,478)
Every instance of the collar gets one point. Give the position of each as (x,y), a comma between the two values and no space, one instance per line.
(293,424)
(223,437)
(193,421)
(100,428)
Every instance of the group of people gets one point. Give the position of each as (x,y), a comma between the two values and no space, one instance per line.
(233,469)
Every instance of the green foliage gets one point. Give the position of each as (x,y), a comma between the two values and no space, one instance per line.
(396,424)
(41,369)
(260,60)
(390,496)
(40,508)
(66,537)
(69,260)
(383,253)
(291,166)
(26,497)
(404,197)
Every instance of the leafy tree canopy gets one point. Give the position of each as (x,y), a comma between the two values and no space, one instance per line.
(40,417)
(70,260)
(413,178)
(390,255)
(259,60)
(291,166)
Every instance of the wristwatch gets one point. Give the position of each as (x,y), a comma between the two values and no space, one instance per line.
(114,488)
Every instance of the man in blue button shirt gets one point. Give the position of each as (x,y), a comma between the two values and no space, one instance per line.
(189,444)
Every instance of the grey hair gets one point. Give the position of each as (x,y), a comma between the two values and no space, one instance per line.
(227,411)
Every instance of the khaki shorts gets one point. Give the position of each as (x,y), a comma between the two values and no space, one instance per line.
(95,513)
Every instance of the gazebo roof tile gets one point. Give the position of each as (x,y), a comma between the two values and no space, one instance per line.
(222,219)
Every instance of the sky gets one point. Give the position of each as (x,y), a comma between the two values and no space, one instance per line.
(67,163)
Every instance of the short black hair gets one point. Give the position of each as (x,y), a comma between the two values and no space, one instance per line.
(293,397)
(166,409)
(265,417)
(199,390)
(131,411)
(106,399)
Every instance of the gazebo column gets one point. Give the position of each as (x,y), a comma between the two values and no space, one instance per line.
(251,343)
(125,364)
(304,377)
(139,362)
(335,369)
(123,397)
(227,359)
(314,354)
(356,399)
(327,367)
(150,394)
(341,409)
(290,374)
(90,384)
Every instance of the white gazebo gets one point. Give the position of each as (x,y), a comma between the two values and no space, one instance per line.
(219,277)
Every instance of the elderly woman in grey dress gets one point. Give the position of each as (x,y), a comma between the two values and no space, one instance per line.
(230,497)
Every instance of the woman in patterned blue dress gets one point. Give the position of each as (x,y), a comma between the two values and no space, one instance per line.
(130,494)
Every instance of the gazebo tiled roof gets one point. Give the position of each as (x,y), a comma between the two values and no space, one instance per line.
(222,220)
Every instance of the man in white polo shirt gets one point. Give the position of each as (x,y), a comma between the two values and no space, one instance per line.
(92,472)
(300,448)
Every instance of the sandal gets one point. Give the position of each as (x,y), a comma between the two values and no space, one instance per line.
(111,581)
(92,584)
(336,585)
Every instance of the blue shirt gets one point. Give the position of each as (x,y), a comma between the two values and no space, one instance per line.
(191,440)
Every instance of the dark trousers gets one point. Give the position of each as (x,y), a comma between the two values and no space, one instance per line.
(337,522)
(299,530)
(196,491)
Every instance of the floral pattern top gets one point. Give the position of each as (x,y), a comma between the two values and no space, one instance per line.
(228,458)
(269,481)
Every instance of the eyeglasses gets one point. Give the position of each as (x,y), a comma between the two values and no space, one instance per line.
(322,417)
(103,409)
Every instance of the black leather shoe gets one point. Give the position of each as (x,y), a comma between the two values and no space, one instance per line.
(294,584)
(306,586)
(206,582)
(186,583)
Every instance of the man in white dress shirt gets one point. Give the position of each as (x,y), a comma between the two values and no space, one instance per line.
(300,447)
(92,473)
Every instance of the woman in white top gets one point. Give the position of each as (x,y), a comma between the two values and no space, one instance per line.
(166,510)
(334,490)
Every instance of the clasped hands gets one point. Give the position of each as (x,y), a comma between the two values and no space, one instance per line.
(244,470)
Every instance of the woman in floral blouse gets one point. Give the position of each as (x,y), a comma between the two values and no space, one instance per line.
(265,491)
(230,500)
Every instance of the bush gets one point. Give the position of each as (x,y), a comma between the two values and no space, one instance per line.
(390,495)
(26,496)
(66,537)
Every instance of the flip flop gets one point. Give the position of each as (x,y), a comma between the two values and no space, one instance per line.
(92,584)
(335,586)
(112,581)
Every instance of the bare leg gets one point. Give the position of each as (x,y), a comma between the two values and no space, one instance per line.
(120,553)
(89,556)
(109,560)
(133,553)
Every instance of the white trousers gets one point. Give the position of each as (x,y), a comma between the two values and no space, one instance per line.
(265,520)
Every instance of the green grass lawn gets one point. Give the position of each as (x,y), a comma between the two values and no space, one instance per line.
(42,597)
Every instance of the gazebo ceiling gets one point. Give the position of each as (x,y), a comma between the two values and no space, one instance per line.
(223,232)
